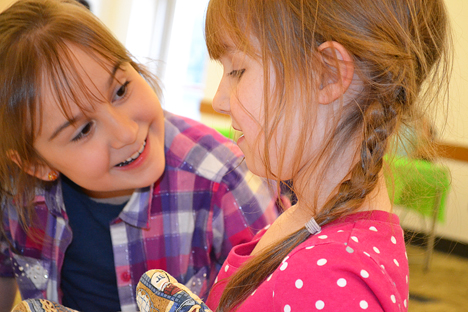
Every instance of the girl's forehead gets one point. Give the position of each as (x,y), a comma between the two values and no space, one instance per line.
(80,81)
(248,46)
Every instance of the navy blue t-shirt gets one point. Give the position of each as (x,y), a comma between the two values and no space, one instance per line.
(88,281)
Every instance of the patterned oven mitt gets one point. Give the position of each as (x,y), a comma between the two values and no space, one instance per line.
(159,291)
(40,305)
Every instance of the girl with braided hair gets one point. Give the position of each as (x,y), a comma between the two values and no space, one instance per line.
(319,89)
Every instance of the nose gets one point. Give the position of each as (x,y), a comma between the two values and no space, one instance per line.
(122,129)
(221,99)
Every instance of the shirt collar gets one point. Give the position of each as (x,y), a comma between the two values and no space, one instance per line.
(137,210)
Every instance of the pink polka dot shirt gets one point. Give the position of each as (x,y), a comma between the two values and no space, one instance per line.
(358,263)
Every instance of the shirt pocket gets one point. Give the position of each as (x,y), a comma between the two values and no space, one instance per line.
(32,275)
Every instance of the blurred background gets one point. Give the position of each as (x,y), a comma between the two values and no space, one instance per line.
(167,36)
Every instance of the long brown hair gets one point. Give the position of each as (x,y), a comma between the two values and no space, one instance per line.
(35,36)
(400,52)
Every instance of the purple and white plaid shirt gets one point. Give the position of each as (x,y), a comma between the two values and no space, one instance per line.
(205,203)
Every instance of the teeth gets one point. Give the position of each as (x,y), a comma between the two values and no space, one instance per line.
(134,156)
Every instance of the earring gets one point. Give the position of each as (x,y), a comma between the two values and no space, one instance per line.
(53,175)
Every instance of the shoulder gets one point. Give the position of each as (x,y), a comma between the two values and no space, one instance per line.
(365,261)
(44,203)
(191,145)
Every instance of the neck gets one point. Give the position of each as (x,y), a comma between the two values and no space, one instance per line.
(108,194)
(316,188)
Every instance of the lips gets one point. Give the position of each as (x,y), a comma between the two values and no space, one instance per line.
(235,128)
(132,158)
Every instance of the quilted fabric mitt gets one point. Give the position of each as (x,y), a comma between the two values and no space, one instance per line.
(159,291)
(40,305)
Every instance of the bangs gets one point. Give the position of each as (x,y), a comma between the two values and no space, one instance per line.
(224,24)
(62,77)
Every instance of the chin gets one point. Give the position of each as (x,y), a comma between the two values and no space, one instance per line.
(153,174)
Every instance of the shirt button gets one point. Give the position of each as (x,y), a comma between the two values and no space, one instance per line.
(125,276)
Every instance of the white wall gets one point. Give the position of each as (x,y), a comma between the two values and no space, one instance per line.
(5,3)
(456,125)
(456,131)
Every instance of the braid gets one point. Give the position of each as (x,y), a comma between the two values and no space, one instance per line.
(255,271)
(379,122)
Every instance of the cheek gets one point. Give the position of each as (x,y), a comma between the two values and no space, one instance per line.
(85,161)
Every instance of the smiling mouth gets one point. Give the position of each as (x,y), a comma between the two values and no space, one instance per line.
(132,158)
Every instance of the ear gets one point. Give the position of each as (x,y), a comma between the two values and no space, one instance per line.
(336,57)
(42,172)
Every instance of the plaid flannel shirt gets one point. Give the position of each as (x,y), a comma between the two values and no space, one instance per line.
(205,203)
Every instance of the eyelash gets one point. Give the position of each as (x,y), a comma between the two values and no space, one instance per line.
(82,135)
(237,73)
(123,88)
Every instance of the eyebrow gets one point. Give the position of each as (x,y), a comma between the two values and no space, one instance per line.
(65,125)
(116,68)
(230,49)
(79,116)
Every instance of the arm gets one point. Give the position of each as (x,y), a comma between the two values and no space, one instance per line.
(8,289)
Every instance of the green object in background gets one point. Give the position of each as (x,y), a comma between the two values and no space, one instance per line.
(417,184)
(227,132)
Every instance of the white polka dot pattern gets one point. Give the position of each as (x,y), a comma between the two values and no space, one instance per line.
(339,266)
(322,262)
(341,282)
(364,274)
(363,304)
(320,305)
(284,266)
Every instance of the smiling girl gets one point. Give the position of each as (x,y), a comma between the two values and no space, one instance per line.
(98,183)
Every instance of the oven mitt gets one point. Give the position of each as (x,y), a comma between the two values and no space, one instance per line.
(159,291)
(40,305)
